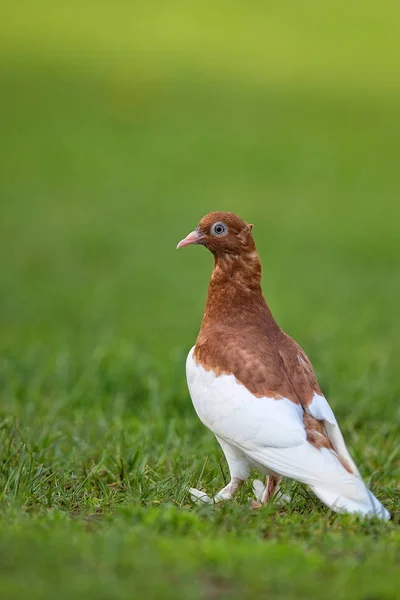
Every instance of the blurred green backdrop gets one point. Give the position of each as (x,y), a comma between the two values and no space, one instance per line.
(125,122)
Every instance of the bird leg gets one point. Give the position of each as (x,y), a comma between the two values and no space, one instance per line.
(272,486)
(227,493)
(239,471)
(264,493)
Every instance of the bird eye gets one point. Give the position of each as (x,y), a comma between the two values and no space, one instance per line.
(219,229)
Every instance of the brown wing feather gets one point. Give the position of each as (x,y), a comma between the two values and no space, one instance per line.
(304,381)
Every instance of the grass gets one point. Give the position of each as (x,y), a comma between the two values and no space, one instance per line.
(119,135)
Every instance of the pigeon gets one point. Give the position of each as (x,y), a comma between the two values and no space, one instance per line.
(254,387)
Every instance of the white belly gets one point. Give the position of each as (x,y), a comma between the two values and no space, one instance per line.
(235,414)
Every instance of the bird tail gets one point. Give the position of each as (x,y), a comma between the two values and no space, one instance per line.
(368,505)
(340,489)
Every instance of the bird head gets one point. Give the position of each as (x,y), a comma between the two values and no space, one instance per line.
(223,233)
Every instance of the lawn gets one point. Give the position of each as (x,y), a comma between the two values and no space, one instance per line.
(122,126)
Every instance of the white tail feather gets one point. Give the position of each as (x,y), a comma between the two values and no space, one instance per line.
(368,507)
(323,472)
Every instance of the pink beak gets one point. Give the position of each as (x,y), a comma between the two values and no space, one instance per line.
(193,238)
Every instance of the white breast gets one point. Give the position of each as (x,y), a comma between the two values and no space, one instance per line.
(235,414)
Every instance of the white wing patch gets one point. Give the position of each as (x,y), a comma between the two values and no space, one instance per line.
(320,409)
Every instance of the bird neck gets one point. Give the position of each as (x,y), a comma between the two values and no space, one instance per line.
(234,297)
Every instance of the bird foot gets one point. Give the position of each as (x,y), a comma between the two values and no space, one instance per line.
(254,504)
(258,489)
(199,496)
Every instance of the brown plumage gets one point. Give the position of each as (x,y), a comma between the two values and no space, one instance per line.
(239,334)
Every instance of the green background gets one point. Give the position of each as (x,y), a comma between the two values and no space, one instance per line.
(123,124)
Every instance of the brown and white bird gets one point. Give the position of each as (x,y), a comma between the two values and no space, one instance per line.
(255,389)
